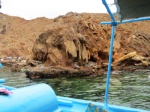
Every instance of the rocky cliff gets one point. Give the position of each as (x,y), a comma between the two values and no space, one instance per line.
(74,40)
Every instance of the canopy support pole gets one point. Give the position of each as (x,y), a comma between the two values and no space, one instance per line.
(108,10)
(109,66)
(128,21)
(113,24)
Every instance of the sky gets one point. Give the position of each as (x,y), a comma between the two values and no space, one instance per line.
(30,9)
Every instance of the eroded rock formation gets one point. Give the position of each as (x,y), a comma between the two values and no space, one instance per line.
(82,40)
(74,41)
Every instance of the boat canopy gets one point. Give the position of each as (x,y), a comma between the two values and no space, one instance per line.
(129,9)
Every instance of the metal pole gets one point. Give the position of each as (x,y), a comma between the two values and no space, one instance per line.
(109,67)
(128,21)
(108,10)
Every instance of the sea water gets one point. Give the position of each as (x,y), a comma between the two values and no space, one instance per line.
(126,89)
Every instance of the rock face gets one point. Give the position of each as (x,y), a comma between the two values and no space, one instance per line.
(17,35)
(140,42)
(74,40)
(77,39)
(81,39)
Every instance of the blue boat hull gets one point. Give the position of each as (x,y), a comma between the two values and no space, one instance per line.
(42,98)
(77,105)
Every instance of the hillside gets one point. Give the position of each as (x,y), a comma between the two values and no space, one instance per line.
(72,39)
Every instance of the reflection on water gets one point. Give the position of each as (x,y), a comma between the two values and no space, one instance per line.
(128,89)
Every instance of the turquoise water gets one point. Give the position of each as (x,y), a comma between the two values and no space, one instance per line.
(126,89)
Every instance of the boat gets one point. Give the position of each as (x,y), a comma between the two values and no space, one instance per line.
(42,98)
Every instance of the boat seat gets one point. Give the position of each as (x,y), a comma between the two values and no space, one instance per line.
(35,98)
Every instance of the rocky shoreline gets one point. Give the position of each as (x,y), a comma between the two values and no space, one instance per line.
(36,69)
